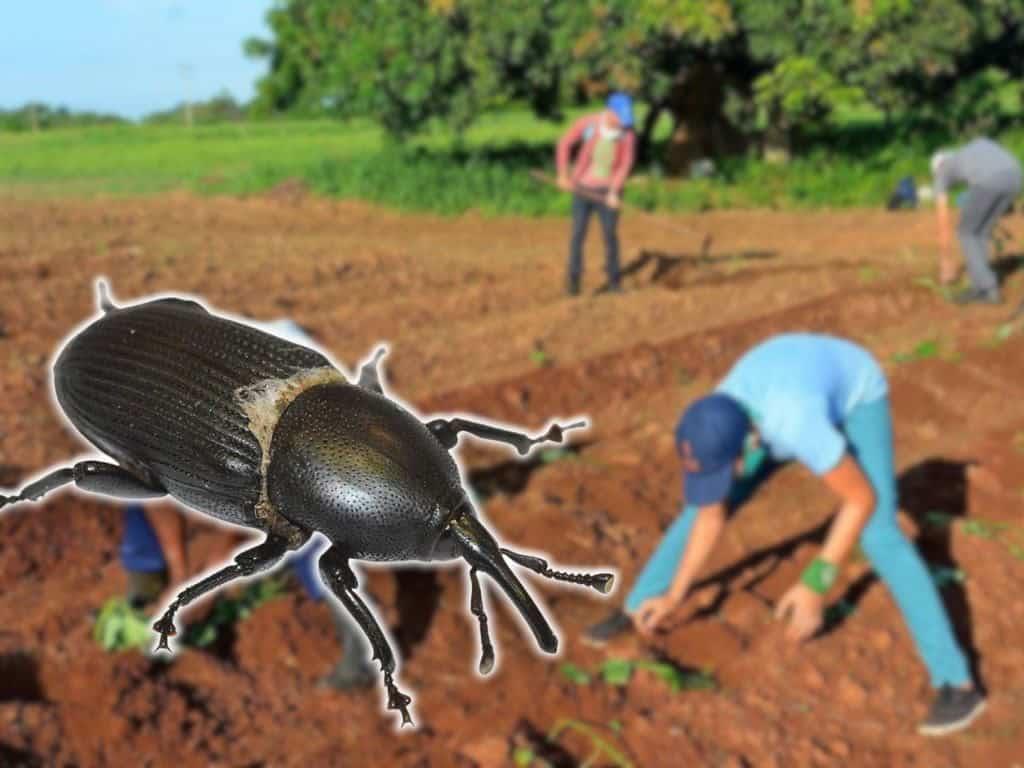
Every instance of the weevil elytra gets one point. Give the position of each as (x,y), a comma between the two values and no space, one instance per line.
(258,431)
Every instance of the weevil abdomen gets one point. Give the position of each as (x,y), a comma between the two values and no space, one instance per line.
(155,386)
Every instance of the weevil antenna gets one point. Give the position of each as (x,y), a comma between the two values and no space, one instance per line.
(103,296)
(602,582)
(481,551)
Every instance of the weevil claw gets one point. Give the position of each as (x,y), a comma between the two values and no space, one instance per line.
(603,582)
(165,626)
(398,700)
(487,664)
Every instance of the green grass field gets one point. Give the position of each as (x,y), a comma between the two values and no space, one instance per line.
(489,171)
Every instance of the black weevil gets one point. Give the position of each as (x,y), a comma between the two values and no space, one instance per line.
(258,431)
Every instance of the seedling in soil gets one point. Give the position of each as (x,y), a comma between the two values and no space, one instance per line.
(683,376)
(923,351)
(944,576)
(868,274)
(1018,442)
(545,751)
(119,627)
(575,674)
(1002,333)
(230,610)
(539,356)
(942,291)
(618,673)
(551,455)
(983,528)
(601,747)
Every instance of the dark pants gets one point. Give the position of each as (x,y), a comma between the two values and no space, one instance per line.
(582,207)
(981,211)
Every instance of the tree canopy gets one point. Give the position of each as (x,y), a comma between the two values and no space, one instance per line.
(727,70)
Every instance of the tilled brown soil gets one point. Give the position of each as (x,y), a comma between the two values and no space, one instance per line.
(474,312)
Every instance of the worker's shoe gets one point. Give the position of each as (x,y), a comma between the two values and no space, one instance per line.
(616,625)
(975,295)
(572,288)
(953,710)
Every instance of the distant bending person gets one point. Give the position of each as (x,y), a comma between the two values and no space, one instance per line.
(603,161)
(993,178)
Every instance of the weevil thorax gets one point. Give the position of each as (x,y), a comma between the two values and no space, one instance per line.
(263,403)
(359,468)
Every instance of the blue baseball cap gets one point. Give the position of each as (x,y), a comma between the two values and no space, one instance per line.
(622,105)
(710,437)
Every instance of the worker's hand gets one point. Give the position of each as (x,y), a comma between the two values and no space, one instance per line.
(564,183)
(652,611)
(949,270)
(805,610)
(612,199)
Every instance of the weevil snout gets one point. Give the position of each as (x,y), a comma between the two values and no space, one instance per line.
(482,553)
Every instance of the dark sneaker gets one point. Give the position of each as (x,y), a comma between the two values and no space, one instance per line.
(978,296)
(615,625)
(573,289)
(953,710)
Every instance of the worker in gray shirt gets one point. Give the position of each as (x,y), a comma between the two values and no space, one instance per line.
(993,179)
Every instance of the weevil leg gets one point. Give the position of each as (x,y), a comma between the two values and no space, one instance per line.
(447,431)
(369,377)
(338,575)
(476,607)
(258,558)
(94,476)
(602,582)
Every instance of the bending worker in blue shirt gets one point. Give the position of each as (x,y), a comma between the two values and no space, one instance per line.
(824,402)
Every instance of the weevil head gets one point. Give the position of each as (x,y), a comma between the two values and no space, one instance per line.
(365,472)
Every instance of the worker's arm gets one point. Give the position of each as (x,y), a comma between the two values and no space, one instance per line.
(168,523)
(622,168)
(565,144)
(707,529)
(947,264)
(857,496)
(847,481)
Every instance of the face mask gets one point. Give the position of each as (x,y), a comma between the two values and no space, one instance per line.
(610,133)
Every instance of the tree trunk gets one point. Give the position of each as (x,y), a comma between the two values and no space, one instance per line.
(697,101)
(647,131)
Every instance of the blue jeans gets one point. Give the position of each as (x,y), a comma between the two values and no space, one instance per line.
(868,430)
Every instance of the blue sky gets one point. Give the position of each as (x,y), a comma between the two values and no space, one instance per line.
(130,57)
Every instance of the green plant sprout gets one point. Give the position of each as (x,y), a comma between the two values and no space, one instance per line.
(868,274)
(119,627)
(551,455)
(923,351)
(982,529)
(618,672)
(524,756)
